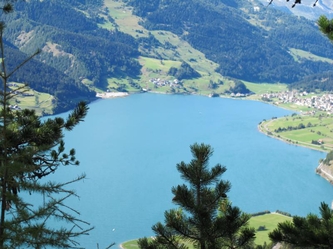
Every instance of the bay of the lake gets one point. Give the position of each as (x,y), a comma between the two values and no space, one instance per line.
(129,148)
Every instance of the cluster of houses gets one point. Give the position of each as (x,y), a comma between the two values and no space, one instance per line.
(160,82)
(323,102)
(239,95)
(25,94)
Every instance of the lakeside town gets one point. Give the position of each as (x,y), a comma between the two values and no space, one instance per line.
(323,102)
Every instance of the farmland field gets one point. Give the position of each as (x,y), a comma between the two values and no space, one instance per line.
(313,131)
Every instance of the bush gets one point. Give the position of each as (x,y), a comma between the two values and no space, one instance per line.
(261,213)
(283,213)
(261,228)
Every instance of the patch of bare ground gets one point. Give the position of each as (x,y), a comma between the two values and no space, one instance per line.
(325,171)
(55,49)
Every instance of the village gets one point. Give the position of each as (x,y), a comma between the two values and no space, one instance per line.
(160,82)
(323,102)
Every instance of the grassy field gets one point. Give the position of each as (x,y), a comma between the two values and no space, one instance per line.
(124,20)
(265,87)
(268,221)
(318,128)
(301,54)
(40,102)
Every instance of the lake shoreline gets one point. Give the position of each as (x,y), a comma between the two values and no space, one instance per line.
(320,170)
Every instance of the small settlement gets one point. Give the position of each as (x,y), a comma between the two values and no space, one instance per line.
(323,102)
(160,82)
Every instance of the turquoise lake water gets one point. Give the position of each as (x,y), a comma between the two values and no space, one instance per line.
(129,148)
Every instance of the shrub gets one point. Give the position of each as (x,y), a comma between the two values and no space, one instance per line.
(261,213)
(283,213)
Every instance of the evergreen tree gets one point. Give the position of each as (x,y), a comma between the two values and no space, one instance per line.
(310,231)
(204,218)
(326,26)
(30,150)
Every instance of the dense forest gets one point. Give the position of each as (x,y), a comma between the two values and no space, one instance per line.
(313,83)
(184,72)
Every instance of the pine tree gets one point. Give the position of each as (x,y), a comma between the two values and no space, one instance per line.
(30,150)
(310,231)
(204,218)
(326,26)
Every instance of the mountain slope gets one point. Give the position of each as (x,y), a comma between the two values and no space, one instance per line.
(227,35)
(74,49)
(124,45)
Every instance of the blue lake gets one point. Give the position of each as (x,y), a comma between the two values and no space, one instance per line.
(129,148)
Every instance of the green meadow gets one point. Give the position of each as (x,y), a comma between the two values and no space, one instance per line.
(267,223)
(42,103)
(313,131)
(266,87)
(301,54)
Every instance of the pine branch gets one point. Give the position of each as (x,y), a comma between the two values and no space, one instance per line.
(77,115)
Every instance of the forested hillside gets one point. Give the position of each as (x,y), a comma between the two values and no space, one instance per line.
(85,47)
(247,40)
(73,47)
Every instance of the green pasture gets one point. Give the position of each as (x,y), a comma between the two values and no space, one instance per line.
(156,64)
(114,83)
(184,51)
(40,102)
(107,25)
(265,87)
(301,54)
(123,17)
(156,68)
(292,106)
(88,83)
(201,86)
(267,221)
(117,9)
(132,244)
(317,128)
